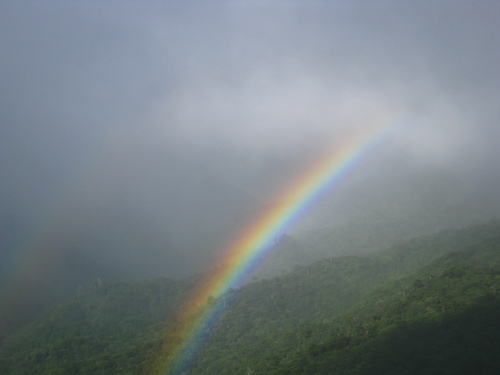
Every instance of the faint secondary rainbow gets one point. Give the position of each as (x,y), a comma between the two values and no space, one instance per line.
(247,251)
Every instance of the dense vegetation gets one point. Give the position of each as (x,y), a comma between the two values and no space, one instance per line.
(429,305)
(449,325)
(105,330)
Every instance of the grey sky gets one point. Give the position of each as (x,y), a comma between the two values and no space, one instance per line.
(185,115)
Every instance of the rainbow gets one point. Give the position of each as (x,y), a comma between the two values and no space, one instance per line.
(250,247)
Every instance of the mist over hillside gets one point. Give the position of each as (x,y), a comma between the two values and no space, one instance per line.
(371,215)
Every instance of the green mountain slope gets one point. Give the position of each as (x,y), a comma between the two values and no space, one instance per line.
(283,325)
(328,288)
(105,330)
(449,284)
(450,326)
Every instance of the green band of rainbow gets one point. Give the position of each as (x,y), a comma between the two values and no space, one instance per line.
(246,252)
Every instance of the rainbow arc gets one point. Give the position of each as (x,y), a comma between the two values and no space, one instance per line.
(250,247)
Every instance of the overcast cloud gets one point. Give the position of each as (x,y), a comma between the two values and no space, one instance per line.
(176,118)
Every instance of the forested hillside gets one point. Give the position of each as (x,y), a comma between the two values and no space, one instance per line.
(304,306)
(429,304)
(445,325)
(105,330)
